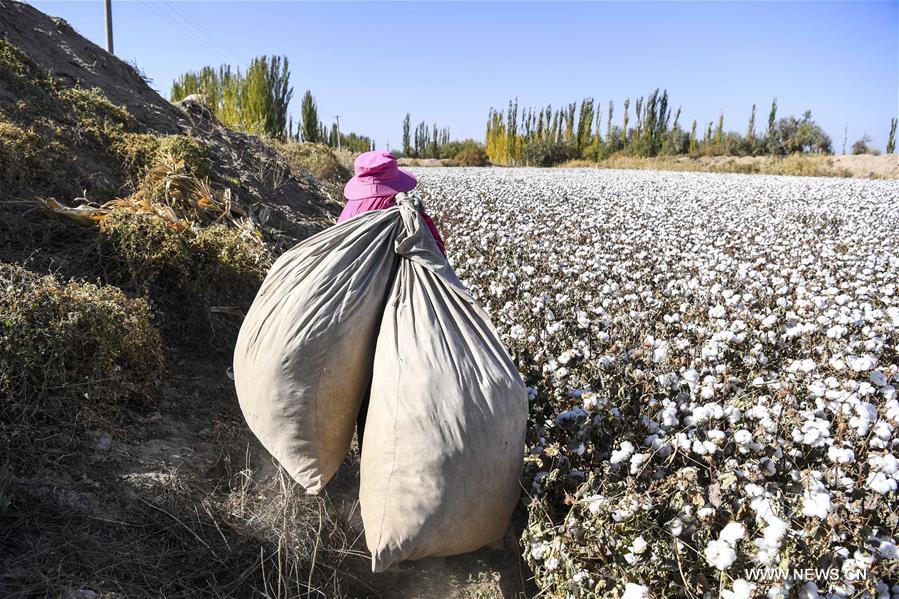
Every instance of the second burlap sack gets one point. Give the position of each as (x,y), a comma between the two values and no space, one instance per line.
(444,435)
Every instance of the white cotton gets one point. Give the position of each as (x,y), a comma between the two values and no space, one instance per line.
(816,501)
(731,533)
(639,545)
(635,591)
(880,483)
(741,589)
(862,363)
(720,554)
(637,461)
(539,550)
(886,548)
(624,452)
(878,378)
(594,402)
(717,311)
(704,513)
(808,591)
(840,455)
(743,438)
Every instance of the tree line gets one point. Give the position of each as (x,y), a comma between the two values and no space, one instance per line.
(424,142)
(544,136)
(256,101)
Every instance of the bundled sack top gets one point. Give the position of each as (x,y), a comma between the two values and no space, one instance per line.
(372,304)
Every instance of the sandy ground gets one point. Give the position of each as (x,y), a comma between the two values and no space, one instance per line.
(864,167)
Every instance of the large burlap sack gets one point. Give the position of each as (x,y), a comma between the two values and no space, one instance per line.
(444,436)
(303,359)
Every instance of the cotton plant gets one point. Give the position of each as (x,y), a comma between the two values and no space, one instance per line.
(704,353)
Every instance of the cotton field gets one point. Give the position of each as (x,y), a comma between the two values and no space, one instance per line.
(713,373)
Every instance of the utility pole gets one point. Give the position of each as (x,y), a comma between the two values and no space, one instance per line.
(109,26)
(336,116)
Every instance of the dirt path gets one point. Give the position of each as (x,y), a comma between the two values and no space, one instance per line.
(180,499)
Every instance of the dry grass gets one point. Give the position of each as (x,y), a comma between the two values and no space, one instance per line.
(332,168)
(168,533)
(76,341)
(794,165)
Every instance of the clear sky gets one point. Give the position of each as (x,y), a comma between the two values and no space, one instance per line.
(449,62)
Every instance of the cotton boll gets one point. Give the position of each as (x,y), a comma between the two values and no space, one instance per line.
(593,402)
(639,545)
(741,589)
(816,501)
(862,363)
(675,526)
(878,378)
(624,452)
(809,591)
(704,513)
(635,591)
(720,554)
(840,455)
(731,533)
(539,550)
(637,461)
(880,483)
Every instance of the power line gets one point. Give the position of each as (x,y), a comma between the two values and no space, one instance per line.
(176,23)
(198,26)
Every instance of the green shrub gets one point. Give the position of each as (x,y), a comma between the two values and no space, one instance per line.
(73,339)
(472,157)
(453,148)
(546,153)
(93,109)
(25,153)
(19,72)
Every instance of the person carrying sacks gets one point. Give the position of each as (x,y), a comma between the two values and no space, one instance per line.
(376,183)
(370,308)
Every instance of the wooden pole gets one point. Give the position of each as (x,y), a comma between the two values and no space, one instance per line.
(109,26)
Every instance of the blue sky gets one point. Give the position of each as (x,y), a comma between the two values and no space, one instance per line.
(449,62)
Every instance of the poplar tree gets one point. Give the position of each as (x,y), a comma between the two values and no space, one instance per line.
(311,128)
(750,129)
(609,140)
(584,124)
(772,116)
(891,140)
(638,114)
(627,103)
(407,135)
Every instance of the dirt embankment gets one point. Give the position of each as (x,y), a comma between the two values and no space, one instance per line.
(127,468)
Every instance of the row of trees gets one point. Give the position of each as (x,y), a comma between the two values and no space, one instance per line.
(548,136)
(311,129)
(424,142)
(256,101)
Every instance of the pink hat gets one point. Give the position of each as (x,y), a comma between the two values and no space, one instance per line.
(377,175)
